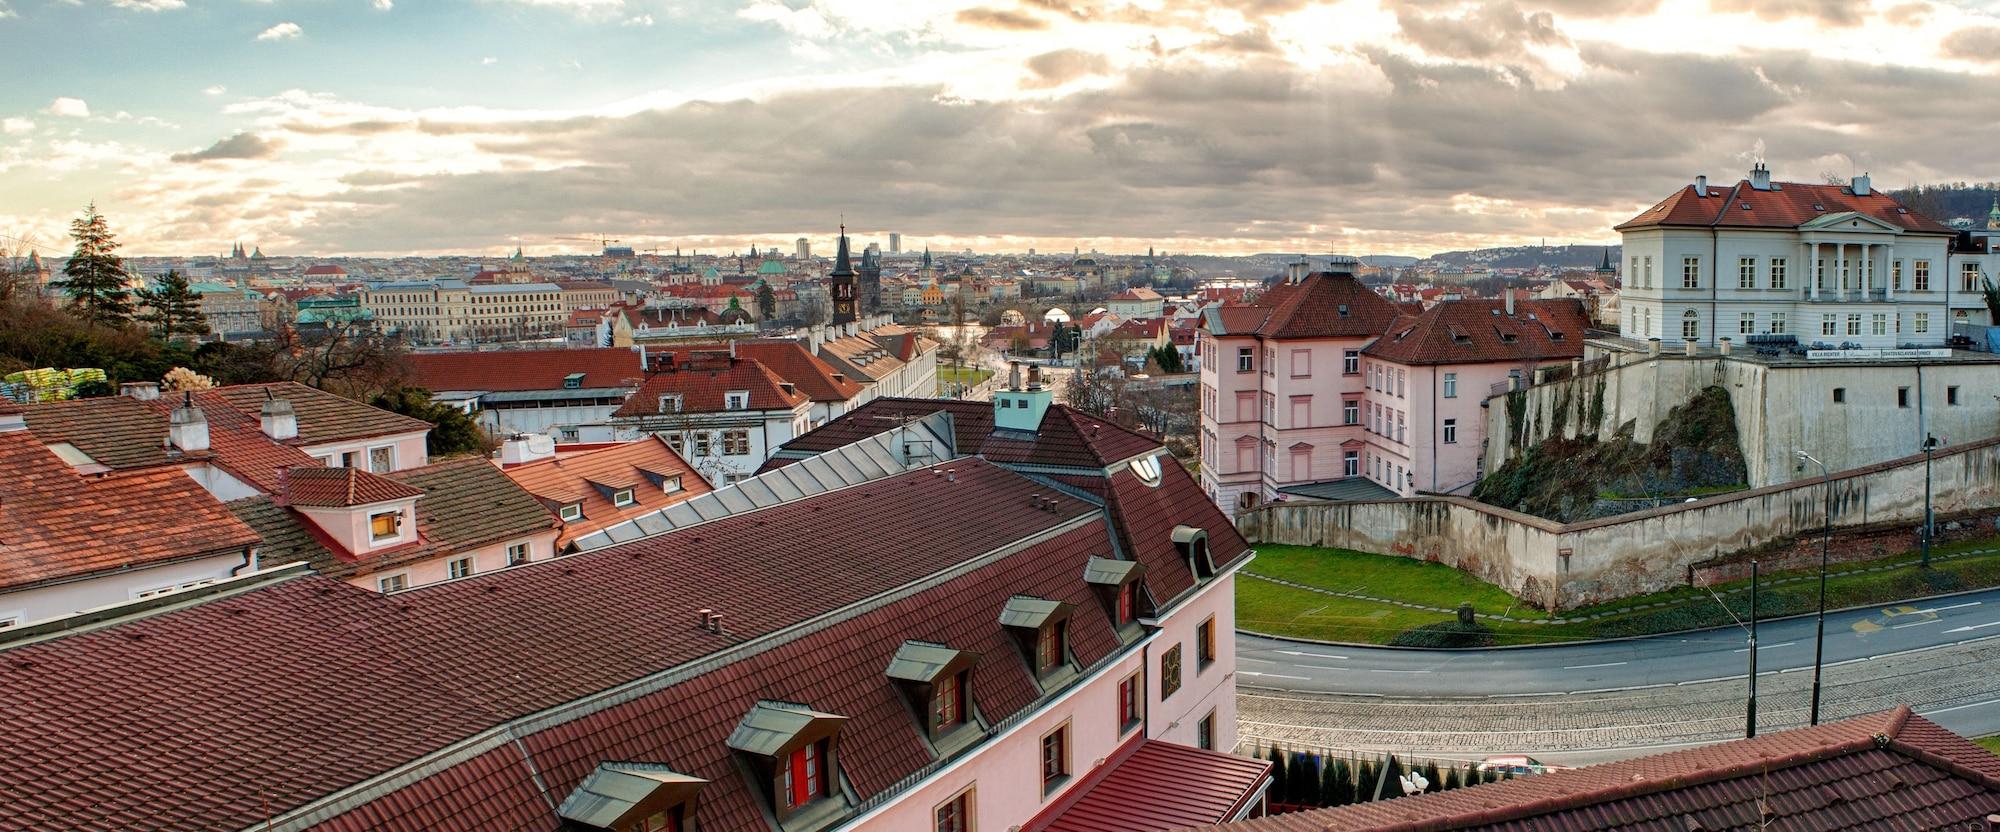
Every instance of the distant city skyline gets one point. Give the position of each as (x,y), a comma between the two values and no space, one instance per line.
(473,126)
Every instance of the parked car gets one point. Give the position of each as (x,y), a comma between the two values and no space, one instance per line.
(1517,765)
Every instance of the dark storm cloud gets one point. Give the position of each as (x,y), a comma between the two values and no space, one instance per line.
(1260,149)
(239,146)
(1829,12)
(1004,19)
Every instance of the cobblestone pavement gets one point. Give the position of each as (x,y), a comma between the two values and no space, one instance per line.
(1942,682)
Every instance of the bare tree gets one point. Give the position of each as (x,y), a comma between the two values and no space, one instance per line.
(346,357)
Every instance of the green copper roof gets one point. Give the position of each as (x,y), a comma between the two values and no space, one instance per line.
(771,267)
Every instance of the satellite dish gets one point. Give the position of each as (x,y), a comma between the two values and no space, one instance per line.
(539,443)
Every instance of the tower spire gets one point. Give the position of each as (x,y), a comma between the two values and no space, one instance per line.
(843,265)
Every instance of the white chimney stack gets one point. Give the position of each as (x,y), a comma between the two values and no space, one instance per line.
(278,420)
(1507,301)
(187,428)
(144,391)
(1760,177)
(523,448)
(1862,185)
(1701,185)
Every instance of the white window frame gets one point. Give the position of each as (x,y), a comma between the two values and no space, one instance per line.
(1451,385)
(1746,272)
(390,451)
(623,497)
(1778,275)
(520,553)
(395,532)
(736,400)
(1451,431)
(453,570)
(570,512)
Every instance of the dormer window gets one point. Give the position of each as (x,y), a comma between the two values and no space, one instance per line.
(936,680)
(622,497)
(571,512)
(386,525)
(805,775)
(794,750)
(573,381)
(670,403)
(736,400)
(632,797)
(1041,627)
(671,485)
(948,703)
(1193,545)
(1120,585)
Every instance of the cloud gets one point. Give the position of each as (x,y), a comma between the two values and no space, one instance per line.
(488,61)
(239,146)
(5,11)
(1002,19)
(15,126)
(68,108)
(282,31)
(150,5)
(1496,30)
(641,20)
(1908,14)
(217,89)
(1056,68)
(1840,13)
(1977,43)
(384,5)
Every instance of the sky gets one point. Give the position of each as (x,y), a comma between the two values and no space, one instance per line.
(383,127)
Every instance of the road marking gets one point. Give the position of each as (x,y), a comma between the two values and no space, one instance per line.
(1372,670)
(1259,661)
(1273,675)
(1765,647)
(1308,653)
(1960,707)
(1320,666)
(1955,606)
(1917,624)
(1974,627)
(1589,666)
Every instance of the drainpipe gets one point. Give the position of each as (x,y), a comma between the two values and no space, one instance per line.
(1435,427)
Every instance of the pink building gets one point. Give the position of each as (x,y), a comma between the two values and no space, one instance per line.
(986,617)
(1325,389)
(1281,386)
(1425,384)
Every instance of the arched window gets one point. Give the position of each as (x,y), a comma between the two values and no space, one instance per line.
(1690,325)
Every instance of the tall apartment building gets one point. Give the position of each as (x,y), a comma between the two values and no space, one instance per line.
(1828,264)
(442,310)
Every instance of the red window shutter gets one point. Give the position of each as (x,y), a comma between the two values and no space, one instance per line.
(797,778)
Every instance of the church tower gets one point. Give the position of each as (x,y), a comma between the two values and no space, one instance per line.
(1993,216)
(870,283)
(840,283)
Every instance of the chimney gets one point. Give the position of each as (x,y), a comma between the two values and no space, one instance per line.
(277,418)
(1652,346)
(144,391)
(1701,185)
(1862,185)
(701,617)
(526,447)
(1296,272)
(1014,376)
(715,623)
(1507,301)
(1035,377)
(1760,177)
(1723,346)
(187,429)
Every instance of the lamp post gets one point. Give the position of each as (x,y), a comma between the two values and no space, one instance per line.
(1931,444)
(1825,542)
(1750,718)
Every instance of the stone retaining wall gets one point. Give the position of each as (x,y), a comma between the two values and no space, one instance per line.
(1561,566)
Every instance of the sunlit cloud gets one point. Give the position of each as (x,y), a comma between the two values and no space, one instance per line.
(68,108)
(281,31)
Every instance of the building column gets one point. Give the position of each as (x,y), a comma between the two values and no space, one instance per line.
(1840,270)
(1889,263)
(1812,270)
(1867,269)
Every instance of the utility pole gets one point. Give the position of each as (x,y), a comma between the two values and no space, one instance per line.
(1930,520)
(1825,543)
(1750,719)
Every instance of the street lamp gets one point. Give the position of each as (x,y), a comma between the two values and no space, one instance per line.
(1825,542)
(1931,444)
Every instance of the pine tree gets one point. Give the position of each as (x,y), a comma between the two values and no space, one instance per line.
(1337,787)
(1304,776)
(1279,783)
(1364,781)
(172,308)
(767,301)
(1451,779)
(95,276)
(1432,776)
(1390,786)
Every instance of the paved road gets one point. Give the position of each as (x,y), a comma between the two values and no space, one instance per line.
(1637,664)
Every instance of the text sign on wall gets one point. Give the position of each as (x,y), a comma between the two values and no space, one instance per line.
(1837,354)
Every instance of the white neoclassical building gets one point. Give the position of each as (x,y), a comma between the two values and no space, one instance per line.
(1828,264)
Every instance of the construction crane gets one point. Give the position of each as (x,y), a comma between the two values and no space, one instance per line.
(601,240)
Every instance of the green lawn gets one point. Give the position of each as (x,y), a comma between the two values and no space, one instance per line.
(1989,743)
(968,376)
(1266,607)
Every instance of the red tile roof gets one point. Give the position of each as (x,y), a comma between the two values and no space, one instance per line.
(342,488)
(1312,308)
(971,422)
(262,701)
(57,524)
(1067,437)
(1155,786)
(791,361)
(513,370)
(1786,205)
(569,479)
(1889,770)
(323,417)
(704,379)
(1481,331)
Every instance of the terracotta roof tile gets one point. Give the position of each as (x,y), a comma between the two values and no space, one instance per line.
(1154,786)
(1888,770)
(567,479)
(1478,331)
(1786,205)
(116,431)
(342,488)
(1324,305)
(323,417)
(56,523)
(791,361)
(703,381)
(517,370)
